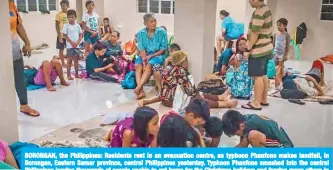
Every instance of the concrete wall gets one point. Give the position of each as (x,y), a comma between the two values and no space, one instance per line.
(319,40)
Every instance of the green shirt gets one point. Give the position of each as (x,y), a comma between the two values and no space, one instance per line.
(93,62)
(261,22)
(267,126)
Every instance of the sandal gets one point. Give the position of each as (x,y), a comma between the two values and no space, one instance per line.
(296,101)
(250,107)
(29,113)
(264,104)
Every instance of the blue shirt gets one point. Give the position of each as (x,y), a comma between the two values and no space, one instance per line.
(233,29)
(93,62)
(159,41)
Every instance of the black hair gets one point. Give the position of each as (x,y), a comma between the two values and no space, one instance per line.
(118,33)
(215,51)
(231,121)
(175,131)
(199,108)
(284,22)
(224,13)
(142,116)
(106,19)
(214,127)
(99,46)
(71,12)
(237,44)
(175,46)
(89,2)
(164,27)
(64,2)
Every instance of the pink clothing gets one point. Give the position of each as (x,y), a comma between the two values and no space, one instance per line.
(3,150)
(40,79)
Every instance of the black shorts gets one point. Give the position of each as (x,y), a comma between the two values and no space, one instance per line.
(59,45)
(258,66)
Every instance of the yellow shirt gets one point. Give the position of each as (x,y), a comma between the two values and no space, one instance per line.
(61,17)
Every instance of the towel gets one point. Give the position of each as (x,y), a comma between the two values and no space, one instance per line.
(32,87)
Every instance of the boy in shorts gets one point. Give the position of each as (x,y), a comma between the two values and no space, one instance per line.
(73,35)
(61,20)
(258,131)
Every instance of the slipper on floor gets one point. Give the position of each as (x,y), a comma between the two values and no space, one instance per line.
(296,101)
(328,102)
(28,114)
(264,104)
(250,107)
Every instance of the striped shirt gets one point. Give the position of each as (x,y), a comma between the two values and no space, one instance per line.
(262,22)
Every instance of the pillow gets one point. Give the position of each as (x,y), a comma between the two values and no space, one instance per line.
(328,59)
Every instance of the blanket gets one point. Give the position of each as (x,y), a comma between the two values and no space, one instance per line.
(328,91)
(32,87)
(87,143)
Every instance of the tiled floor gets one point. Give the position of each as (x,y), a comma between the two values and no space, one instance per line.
(308,125)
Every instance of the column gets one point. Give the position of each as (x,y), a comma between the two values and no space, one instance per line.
(8,109)
(195,32)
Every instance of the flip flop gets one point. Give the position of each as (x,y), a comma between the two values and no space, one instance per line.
(28,114)
(250,107)
(328,102)
(264,104)
(296,101)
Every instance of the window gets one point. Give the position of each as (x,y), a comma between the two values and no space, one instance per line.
(326,10)
(36,5)
(156,6)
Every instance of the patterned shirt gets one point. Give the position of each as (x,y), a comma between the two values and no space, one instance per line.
(159,41)
(173,77)
(91,20)
(261,22)
(15,20)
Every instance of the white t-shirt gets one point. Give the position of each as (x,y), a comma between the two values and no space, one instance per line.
(73,33)
(91,20)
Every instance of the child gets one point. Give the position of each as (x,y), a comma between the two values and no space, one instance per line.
(176,132)
(46,74)
(73,35)
(98,66)
(281,49)
(213,131)
(90,25)
(61,20)
(105,28)
(138,131)
(259,131)
(172,48)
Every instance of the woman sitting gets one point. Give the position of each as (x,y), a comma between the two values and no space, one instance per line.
(98,67)
(307,85)
(116,53)
(6,155)
(152,46)
(223,63)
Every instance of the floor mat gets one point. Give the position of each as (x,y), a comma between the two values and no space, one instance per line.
(32,87)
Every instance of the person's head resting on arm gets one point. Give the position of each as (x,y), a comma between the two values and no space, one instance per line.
(145,123)
(197,112)
(174,47)
(150,21)
(100,49)
(64,4)
(179,59)
(175,131)
(233,123)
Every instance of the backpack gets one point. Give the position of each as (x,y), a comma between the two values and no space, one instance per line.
(129,81)
(271,69)
(240,83)
(29,76)
(212,86)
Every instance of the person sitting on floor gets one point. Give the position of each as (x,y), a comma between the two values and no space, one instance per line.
(138,131)
(223,62)
(307,85)
(258,131)
(6,155)
(172,48)
(98,67)
(46,74)
(152,46)
(114,50)
(178,75)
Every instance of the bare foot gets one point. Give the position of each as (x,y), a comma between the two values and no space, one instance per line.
(137,93)
(232,104)
(51,88)
(78,76)
(64,83)
(70,78)
(142,95)
(26,109)
(225,96)
(141,103)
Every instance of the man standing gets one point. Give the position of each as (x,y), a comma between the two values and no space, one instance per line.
(260,50)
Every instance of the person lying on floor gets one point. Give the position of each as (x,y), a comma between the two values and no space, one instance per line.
(178,75)
(98,67)
(152,46)
(307,85)
(6,155)
(46,74)
(223,62)
(138,131)
(116,53)
(258,131)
